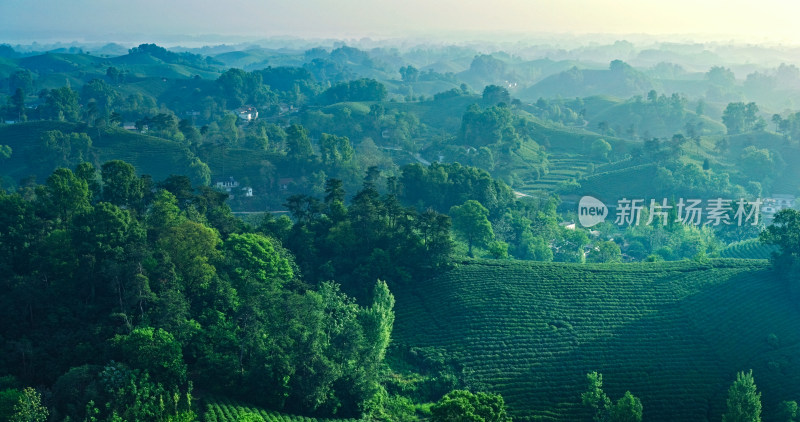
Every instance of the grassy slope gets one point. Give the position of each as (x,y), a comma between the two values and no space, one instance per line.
(674,334)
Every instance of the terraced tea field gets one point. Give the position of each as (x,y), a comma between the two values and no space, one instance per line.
(674,334)
(614,183)
(150,155)
(224,410)
(748,249)
(562,168)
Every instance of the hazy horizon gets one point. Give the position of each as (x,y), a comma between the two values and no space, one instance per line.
(202,21)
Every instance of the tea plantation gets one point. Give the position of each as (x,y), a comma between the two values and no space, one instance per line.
(224,410)
(674,334)
(750,248)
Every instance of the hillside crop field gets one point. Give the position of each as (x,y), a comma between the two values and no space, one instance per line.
(227,411)
(748,249)
(674,334)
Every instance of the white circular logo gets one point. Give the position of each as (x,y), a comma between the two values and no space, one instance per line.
(591,211)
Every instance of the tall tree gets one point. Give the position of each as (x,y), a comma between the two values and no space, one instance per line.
(335,150)
(192,247)
(377,321)
(594,397)
(607,251)
(64,195)
(744,404)
(777,119)
(103,95)
(494,94)
(627,409)
(471,222)
(409,73)
(254,258)
(29,408)
(121,187)
(62,104)
(784,232)
(298,143)
(740,117)
(155,351)
(600,149)
(18,104)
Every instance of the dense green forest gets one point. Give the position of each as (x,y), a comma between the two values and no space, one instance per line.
(395,234)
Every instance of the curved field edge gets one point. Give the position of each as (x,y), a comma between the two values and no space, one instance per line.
(674,333)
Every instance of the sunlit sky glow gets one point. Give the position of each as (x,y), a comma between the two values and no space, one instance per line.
(65,20)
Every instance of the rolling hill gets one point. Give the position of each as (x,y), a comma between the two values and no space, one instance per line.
(650,120)
(54,70)
(674,334)
(620,81)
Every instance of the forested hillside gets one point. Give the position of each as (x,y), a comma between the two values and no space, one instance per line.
(122,294)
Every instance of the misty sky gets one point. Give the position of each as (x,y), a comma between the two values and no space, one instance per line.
(757,21)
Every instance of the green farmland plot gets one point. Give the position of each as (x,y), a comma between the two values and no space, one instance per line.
(674,334)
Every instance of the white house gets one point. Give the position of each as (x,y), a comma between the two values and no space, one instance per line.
(247,113)
(776,203)
(227,185)
(231,186)
(569,225)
